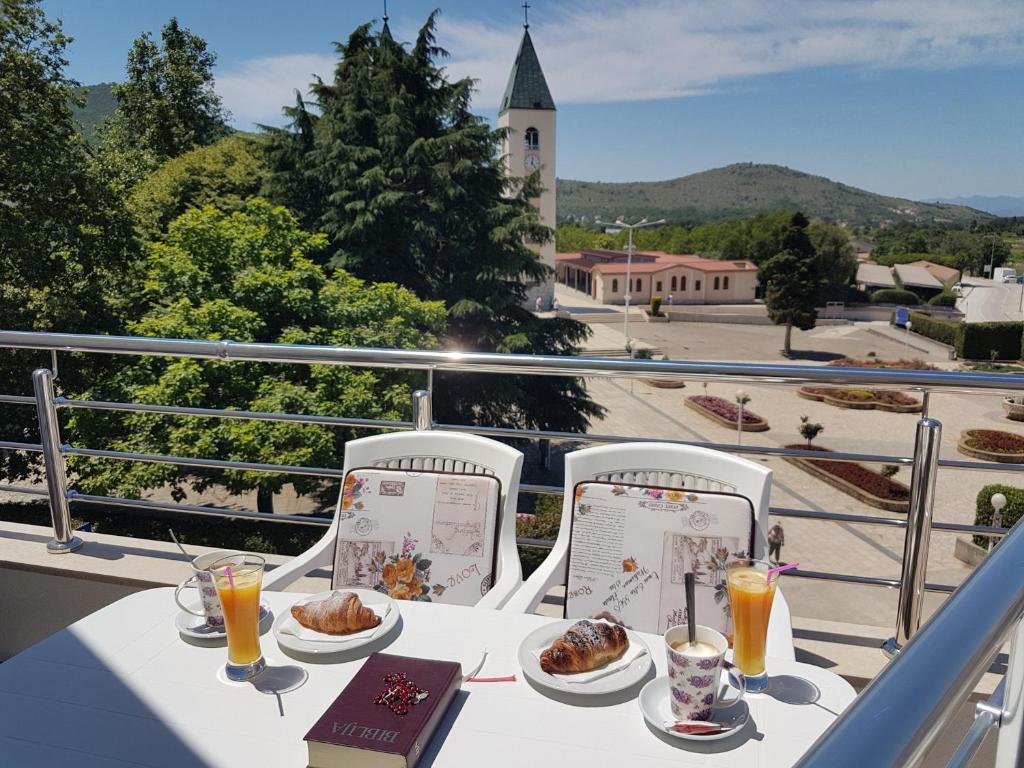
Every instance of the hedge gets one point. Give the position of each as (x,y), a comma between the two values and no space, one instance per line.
(940,330)
(977,341)
(944,299)
(892,259)
(894,296)
(1011,512)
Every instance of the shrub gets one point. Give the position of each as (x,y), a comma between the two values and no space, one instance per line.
(889,470)
(547,515)
(656,306)
(895,296)
(944,299)
(940,330)
(983,507)
(892,259)
(809,430)
(977,341)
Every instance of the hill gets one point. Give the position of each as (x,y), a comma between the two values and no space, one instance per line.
(746,189)
(999,205)
(99,104)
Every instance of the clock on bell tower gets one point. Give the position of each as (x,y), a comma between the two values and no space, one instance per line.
(528,112)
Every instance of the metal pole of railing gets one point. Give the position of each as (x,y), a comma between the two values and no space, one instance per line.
(919,528)
(422,416)
(63,539)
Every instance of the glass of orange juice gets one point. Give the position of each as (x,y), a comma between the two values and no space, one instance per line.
(751,591)
(238,579)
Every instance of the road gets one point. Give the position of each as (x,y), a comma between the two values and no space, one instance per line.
(988,301)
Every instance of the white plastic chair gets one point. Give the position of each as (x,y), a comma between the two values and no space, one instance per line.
(671,466)
(441,452)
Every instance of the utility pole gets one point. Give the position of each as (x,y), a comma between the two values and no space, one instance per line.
(629,261)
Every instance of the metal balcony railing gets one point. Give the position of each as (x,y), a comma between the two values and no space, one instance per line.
(965,636)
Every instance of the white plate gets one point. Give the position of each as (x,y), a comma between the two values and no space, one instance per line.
(657,711)
(196,626)
(367,596)
(542,637)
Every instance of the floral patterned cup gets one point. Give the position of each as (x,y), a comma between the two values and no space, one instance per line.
(202,579)
(693,678)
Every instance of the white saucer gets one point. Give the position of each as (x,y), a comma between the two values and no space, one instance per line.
(657,711)
(542,637)
(338,643)
(196,626)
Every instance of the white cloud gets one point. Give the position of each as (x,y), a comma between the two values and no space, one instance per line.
(614,50)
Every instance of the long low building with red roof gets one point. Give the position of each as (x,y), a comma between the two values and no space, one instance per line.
(686,278)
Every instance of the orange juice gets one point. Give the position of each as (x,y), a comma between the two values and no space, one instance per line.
(241,604)
(751,600)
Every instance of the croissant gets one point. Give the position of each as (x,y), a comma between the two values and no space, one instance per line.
(340,614)
(586,645)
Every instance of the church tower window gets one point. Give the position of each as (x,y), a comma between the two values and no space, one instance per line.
(531,138)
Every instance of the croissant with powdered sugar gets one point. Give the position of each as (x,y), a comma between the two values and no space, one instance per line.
(340,614)
(586,645)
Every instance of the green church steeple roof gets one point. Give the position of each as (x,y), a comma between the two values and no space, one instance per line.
(527,88)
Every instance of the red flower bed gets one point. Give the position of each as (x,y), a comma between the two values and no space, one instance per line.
(724,408)
(866,479)
(994,441)
(871,362)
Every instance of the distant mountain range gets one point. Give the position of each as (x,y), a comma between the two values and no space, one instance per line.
(739,190)
(746,189)
(1000,205)
(99,104)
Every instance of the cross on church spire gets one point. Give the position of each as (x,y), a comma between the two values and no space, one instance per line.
(526,15)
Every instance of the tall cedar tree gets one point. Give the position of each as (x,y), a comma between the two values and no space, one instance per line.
(794,280)
(66,246)
(410,186)
(167,104)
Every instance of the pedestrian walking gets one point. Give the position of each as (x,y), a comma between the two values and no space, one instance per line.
(536,304)
(555,306)
(670,299)
(776,538)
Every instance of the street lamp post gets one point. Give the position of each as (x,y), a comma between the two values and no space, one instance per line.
(906,338)
(629,259)
(742,398)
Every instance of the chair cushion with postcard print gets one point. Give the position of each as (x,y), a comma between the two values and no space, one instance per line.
(417,534)
(631,545)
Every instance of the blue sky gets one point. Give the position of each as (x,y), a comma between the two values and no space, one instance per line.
(917,98)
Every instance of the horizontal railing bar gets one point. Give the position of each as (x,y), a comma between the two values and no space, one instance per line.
(9,446)
(19,399)
(978,530)
(23,489)
(222,413)
(197,509)
(191,461)
(982,466)
(875,581)
(839,517)
(526,541)
(486,362)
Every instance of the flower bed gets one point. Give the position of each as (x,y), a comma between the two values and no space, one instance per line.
(665,383)
(725,413)
(869,486)
(874,362)
(992,445)
(862,399)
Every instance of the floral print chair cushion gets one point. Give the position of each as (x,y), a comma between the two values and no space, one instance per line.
(418,535)
(630,546)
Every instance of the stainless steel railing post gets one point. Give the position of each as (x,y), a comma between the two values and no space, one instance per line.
(63,539)
(919,529)
(422,414)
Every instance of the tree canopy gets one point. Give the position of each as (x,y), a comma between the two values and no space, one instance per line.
(66,246)
(409,185)
(250,276)
(794,280)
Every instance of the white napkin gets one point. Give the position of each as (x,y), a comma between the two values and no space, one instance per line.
(292,627)
(633,652)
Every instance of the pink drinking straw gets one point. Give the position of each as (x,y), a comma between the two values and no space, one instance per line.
(231,581)
(769,572)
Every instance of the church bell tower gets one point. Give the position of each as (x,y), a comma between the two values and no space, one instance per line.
(528,111)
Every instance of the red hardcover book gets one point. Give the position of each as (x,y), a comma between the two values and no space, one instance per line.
(356,732)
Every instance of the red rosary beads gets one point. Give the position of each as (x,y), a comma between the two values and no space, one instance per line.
(400,693)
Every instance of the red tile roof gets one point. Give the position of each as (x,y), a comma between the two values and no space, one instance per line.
(600,262)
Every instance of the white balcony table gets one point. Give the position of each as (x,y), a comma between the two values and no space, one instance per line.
(121,688)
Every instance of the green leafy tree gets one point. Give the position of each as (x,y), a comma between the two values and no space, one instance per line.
(809,429)
(250,276)
(837,261)
(794,281)
(224,174)
(66,246)
(409,185)
(167,104)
